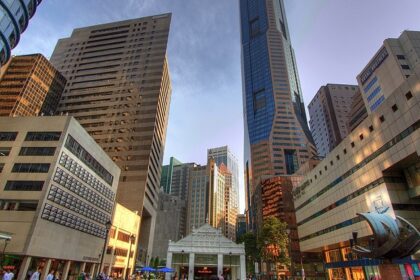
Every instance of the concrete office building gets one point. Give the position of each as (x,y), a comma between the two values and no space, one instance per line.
(167,172)
(58,189)
(329,112)
(197,210)
(120,259)
(392,64)
(277,136)
(240,226)
(30,86)
(118,88)
(14,19)
(170,224)
(180,180)
(358,111)
(374,169)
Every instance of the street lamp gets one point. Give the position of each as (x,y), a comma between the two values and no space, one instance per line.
(230,265)
(107,227)
(182,263)
(132,240)
(3,255)
(288,231)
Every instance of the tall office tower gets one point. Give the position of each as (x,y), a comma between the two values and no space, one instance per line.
(30,86)
(167,172)
(329,111)
(14,19)
(392,64)
(277,136)
(57,192)
(197,214)
(358,111)
(181,179)
(119,89)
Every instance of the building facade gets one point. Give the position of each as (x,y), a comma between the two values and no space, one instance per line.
(170,223)
(180,180)
(118,88)
(392,64)
(14,19)
(58,189)
(329,112)
(167,173)
(277,136)
(30,86)
(374,169)
(120,257)
(240,226)
(358,111)
(197,210)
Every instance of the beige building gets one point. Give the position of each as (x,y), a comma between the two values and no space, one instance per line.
(357,112)
(392,64)
(374,169)
(30,86)
(57,192)
(119,89)
(120,255)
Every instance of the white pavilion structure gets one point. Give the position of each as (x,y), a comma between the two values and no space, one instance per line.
(206,252)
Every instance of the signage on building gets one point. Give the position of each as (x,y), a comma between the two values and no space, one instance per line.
(85,258)
(377,61)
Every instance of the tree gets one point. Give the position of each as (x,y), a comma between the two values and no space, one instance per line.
(273,241)
(252,251)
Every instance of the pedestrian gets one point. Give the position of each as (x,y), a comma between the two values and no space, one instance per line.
(50,275)
(57,276)
(36,275)
(221,277)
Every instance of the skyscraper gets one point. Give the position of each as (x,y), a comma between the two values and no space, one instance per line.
(14,19)
(30,86)
(167,173)
(277,137)
(119,89)
(329,111)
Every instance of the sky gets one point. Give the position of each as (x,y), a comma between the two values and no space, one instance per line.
(333,41)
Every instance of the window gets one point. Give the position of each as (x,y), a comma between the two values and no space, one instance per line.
(37,151)
(331,163)
(8,136)
(24,185)
(371,128)
(361,136)
(400,56)
(4,151)
(382,118)
(1,167)
(352,144)
(31,168)
(394,108)
(345,151)
(43,136)
(405,66)
(338,157)
(408,95)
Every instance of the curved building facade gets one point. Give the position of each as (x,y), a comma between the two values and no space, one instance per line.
(14,18)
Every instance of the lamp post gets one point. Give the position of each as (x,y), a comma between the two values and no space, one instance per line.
(3,255)
(290,253)
(230,265)
(132,240)
(182,263)
(107,227)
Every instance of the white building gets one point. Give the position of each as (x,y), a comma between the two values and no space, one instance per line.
(57,192)
(393,63)
(207,252)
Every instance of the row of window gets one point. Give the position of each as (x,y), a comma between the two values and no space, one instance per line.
(73,146)
(18,205)
(31,136)
(64,218)
(70,202)
(29,151)
(31,168)
(85,176)
(24,185)
(69,182)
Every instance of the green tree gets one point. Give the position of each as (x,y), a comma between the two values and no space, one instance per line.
(252,251)
(273,241)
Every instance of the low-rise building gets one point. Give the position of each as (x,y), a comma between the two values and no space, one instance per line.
(57,192)
(120,255)
(374,169)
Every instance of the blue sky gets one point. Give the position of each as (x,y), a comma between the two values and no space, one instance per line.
(333,41)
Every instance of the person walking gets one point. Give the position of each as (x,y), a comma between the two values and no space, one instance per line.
(36,275)
(50,275)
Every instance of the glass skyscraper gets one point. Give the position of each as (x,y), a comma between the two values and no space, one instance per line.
(14,18)
(277,137)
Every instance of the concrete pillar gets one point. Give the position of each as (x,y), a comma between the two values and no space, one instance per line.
(191,266)
(46,269)
(82,267)
(168,264)
(243,267)
(219,264)
(66,270)
(92,271)
(26,262)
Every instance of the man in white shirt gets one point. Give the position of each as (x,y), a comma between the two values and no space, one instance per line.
(36,275)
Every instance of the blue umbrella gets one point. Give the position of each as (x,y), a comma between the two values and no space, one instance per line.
(165,269)
(148,269)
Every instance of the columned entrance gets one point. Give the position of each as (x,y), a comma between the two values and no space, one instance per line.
(206,252)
